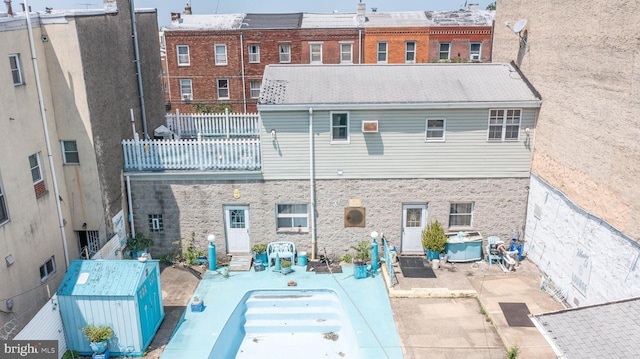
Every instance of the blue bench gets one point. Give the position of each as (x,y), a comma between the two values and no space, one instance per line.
(281,250)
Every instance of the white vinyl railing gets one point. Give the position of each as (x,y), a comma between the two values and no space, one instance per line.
(214,125)
(192,154)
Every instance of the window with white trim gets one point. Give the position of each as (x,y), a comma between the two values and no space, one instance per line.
(339,127)
(4,214)
(220,51)
(382,53)
(70,154)
(504,125)
(460,214)
(186,91)
(410,52)
(155,223)
(47,269)
(254,88)
(223,88)
(16,69)
(36,175)
(183,55)
(435,129)
(346,53)
(444,51)
(315,53)
(292,217)
(254,54)
(285,53)
(475,51)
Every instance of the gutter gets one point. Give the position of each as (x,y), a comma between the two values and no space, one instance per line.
(244,90)
(136,59)
(402,106)
(130,205)
(545,335)
(43,116)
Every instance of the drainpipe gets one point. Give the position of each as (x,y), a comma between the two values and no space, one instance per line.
(130,205)
(136,55)
(244,90)
(359,46)
(312,187)
(43,115)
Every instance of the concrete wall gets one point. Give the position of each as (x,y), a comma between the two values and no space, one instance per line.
(196,206)
(585,155)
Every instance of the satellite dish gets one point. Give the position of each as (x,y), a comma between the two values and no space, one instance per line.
(519,25)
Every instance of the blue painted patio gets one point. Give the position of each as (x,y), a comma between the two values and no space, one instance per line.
(366,301)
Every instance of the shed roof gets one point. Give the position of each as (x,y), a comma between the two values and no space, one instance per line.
(329,21)
(461,85)
(272,21)
(103,277)
(396,19)
(608,330)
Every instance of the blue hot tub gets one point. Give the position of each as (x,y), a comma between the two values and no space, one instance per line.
(464,246)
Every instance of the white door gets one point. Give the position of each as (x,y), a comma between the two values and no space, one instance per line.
(414,217)
(237,225)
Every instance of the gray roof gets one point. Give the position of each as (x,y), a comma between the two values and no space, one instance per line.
(461,18)
(396,19)
(608,330)
(420,85)
(209,22)
(272,21)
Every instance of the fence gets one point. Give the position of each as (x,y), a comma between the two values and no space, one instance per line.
(192,154)
(388,261)
(215,125)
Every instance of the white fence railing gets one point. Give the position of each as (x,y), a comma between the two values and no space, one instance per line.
(216,125)
(192,154)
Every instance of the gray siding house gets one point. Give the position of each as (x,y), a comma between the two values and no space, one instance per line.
(351,149)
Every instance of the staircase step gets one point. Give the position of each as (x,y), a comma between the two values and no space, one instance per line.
(292,300)
(324,312)
(292,326)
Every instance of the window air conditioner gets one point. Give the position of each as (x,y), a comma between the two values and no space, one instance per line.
(186,97)
(369,126)
(475,57)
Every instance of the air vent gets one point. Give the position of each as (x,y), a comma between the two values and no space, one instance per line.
(369,126)
(354,217)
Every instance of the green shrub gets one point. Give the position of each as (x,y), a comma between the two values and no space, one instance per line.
(97,334)
(433,237)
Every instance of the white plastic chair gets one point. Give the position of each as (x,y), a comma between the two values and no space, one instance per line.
(493,255)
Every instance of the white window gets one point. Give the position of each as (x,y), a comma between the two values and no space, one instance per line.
(16,69)
(339,127)
(47,269)
(315,51)
(183,55)
(475,51)
(4,214)
(435,129)
(223,88)
(444,52)
(186,91)
(254,54)
(70,152)
(254,86)
(504,125)
(382,52)
(346,53)
(285,53)
(460,214)
(410,52)
(36,175)
(221,54)
(155,223)
(293,217)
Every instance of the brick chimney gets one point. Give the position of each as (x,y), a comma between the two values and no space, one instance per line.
(175,16)
(187,9)
(9,9)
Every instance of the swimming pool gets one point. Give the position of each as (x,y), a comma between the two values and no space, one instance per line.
(292,323)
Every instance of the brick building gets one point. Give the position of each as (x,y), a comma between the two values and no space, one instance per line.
(216,61)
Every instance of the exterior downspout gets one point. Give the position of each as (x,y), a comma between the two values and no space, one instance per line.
(136,55)
(244,90)
(43,115)
(312,187)
(130,205)
(359,46)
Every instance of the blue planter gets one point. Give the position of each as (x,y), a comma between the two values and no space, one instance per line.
(432,255)
(100,347)
(359,271)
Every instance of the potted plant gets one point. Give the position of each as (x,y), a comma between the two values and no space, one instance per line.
(138,244)
(98,336)
(434,239)
(285,266)
(260,252)
(360,259)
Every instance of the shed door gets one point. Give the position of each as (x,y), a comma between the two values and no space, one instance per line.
(237,225)
(414,217)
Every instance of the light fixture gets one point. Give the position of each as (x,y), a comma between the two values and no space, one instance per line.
(9,304)
(527,130)
(211,238)
(9,260)
(374,235)
(273,133)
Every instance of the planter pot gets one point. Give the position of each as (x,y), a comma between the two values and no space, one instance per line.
(286,270)
(263,257)
(432,255)
(359,270)
(99,347)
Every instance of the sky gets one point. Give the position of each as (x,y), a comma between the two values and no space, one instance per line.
(201,7)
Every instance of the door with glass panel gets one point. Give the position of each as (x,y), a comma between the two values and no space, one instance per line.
(414,217)
(237,226)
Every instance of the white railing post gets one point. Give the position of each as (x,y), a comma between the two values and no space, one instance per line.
(226,121)
(136,146)
(178,125)
(200,152)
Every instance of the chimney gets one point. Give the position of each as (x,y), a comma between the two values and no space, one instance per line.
(110,6)
(175,16)
(374,9)
(362,7)
(9,9)
(187,9)
(473,7)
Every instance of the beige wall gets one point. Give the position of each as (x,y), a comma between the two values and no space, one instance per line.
(583,57)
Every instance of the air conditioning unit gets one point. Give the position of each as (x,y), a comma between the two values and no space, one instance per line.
(475,57)
(186,97)
(354,217)
(369,126)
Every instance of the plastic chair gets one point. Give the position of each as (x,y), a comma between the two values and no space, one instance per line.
(493,255)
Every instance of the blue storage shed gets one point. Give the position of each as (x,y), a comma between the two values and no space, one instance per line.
(125,294)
